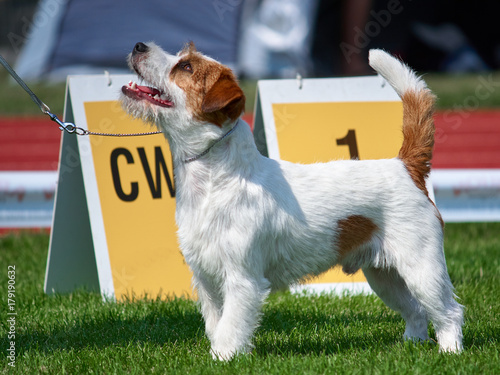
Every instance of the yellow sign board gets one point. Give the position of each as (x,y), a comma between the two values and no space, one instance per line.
(137,193)
(321,132)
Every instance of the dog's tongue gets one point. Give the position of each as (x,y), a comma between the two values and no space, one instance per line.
(149,90)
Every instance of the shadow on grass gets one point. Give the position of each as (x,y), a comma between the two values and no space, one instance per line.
(115,324)
(294,331)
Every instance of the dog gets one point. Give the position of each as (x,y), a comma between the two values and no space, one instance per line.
(249,225)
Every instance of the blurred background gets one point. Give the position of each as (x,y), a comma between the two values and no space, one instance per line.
(48,39)
(456,43)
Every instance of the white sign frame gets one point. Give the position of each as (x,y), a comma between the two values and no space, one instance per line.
(77,196)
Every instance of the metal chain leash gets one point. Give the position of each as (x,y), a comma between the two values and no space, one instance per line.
(88,132)
(66,126)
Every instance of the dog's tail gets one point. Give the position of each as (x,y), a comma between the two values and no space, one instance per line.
(418,108)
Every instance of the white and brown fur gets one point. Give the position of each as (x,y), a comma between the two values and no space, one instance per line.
(248,225)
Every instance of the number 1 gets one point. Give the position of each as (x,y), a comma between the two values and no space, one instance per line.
(350,140)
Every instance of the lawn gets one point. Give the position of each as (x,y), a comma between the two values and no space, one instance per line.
(80,333)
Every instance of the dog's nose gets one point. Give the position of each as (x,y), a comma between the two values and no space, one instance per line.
(140,48)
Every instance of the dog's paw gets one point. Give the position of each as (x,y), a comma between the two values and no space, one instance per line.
(222,355)
(454,346)
(227,353)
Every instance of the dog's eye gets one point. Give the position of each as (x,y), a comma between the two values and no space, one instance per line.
(186,66)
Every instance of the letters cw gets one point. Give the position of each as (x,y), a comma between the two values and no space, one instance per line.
(130,193)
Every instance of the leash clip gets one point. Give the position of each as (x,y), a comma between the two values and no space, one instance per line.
(67,126)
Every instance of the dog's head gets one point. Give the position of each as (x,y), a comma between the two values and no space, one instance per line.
(181,91)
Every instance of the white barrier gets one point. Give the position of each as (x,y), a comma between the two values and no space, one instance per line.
(27,199)
(467,195)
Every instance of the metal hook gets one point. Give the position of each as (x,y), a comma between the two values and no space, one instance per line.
(67,126)
(382,81)
(300,81)
(108,77)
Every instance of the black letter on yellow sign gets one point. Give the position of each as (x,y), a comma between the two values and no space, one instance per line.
(159,162)
(153,182)
(132,196)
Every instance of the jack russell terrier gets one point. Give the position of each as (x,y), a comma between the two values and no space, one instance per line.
(249,225)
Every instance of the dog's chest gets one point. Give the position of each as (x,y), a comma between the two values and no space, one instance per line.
(209,218)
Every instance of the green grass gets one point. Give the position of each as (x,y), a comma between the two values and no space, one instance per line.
(465,91)
(80,334)
(14,101)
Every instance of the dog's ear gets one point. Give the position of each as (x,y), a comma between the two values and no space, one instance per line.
(188,48)
(225,98)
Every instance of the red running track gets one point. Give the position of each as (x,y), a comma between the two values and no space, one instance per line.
(463,140)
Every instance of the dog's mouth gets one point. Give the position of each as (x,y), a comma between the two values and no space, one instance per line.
(151,94)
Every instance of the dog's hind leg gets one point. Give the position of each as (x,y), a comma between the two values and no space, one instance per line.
(428,281)
(244,296)
(421,267)
(391,289)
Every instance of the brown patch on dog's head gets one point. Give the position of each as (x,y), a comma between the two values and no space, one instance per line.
(353,231)
(212,91)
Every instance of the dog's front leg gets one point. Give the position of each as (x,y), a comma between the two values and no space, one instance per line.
(210,298)
(243,299)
